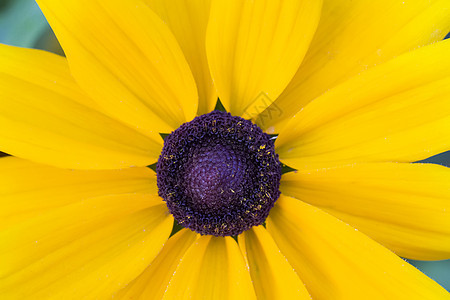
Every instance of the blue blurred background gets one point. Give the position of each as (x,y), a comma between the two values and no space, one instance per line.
(22,24)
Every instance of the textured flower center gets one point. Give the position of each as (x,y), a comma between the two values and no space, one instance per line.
(219,174)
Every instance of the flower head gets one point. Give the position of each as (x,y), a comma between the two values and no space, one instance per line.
(339,92)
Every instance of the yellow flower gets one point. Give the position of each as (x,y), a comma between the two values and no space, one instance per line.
(343,84)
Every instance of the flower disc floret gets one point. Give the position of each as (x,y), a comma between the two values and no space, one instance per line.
(219,174)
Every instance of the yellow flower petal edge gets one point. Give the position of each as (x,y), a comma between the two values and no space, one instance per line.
(125,57)
(152,283)
(254,49)
(29,189)
(212,268)
(188,20)
(353,36)
(273,277)
(405,207)
(89,249)
(335,261)
(397,111)
(47,118)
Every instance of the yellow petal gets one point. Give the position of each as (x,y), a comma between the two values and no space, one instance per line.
(188,20)
(212,268)
(45,117)
(152,283)
(272,275)
(335,261)
(89,249)
(124,56)
(398,111)
(353,36)
(29,189)
(255,47)
(405,207)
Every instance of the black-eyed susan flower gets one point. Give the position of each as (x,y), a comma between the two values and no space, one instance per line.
(342,92)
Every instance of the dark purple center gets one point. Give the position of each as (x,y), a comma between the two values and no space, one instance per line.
(219,174)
